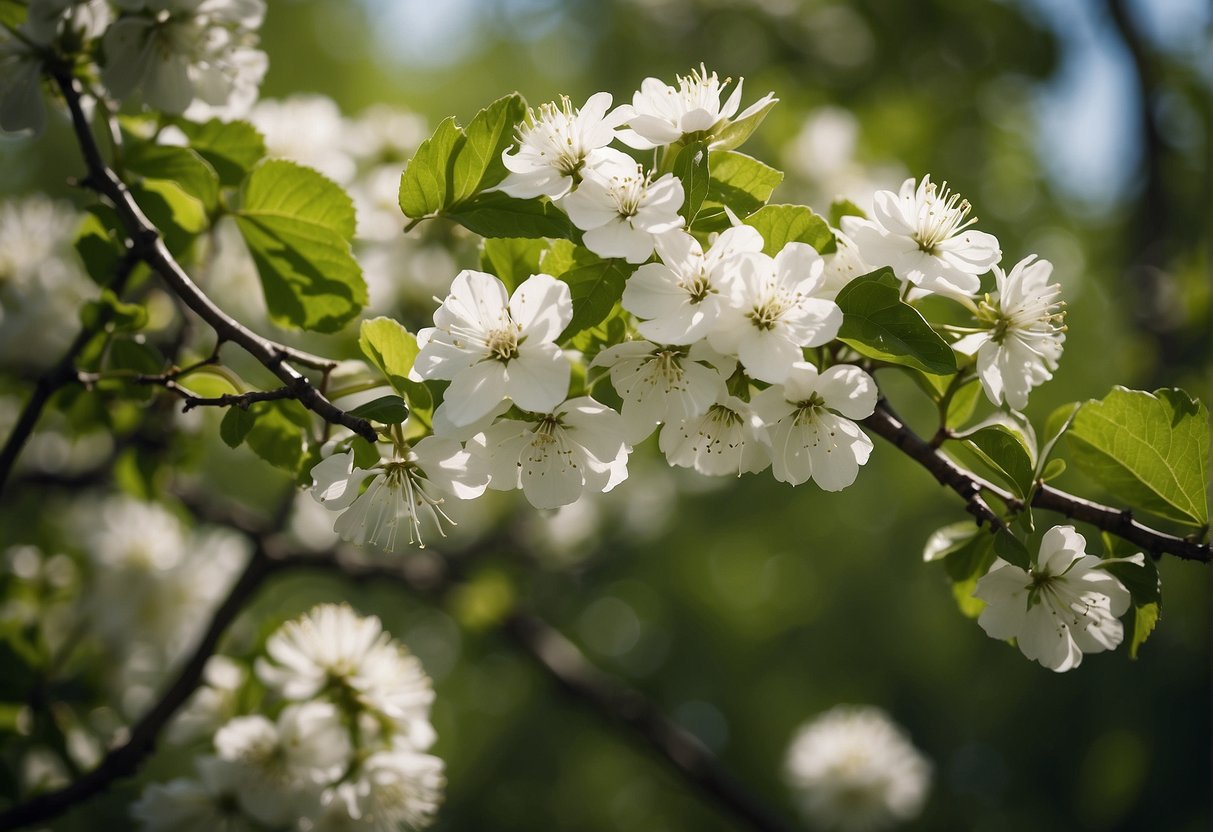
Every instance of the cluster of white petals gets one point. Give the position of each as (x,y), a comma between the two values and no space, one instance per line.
(186,55)
(853,769)
(1066,605)
(339,745)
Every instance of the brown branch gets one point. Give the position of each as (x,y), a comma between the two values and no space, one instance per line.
(61,375)
(123,760)
(147,244)
(971,487)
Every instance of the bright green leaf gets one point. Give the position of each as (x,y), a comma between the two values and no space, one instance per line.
(1142,623)
(564,255)
(278,433)
(298,227)
(783,224)
(424,184)
(840,208)
(232,148)
(212,382)
(1151,450)
(477,164)
(742,183)
(179,217)
(595,288)
(511,259)
(691,168)
(180,165)
(390,410)
(99,242)
(389,347)
(876,323)
(735,133)
(1007,448)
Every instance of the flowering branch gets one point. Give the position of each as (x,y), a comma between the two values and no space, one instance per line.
(148,246)
(123,760)
(61,375)
(971,488)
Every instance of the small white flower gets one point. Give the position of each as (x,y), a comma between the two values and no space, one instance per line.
(661,114)
(394,790)
(621,210)
(181,51)
(555,145)
(1023,344)
(683,296)
(558,454)
(774,310)
(334,649)
(492,346)
(1066,605)
(809,424)
(854,769)
(186,805)
(660,383)
(924,235)
(405,488)
(213,704)
(725,440)
(309,743)
(842,266)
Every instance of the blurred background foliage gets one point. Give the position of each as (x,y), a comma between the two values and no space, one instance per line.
(1079,131)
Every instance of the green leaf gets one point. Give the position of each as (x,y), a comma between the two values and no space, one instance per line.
(390,410)
(1141,579)
(424,182)
(134,356)
(108,310)
(1053,469)
(840,208)
(783,224)
(389,347)
(564,255)
(1141,625)
(13,13)
(972,560)
(298,227)
(691,168)
(1011,549)
(477,164)
(179,217)
(512,259)
(876,323)
(236,424)
(180,165)
(948,539)
(232,148)
(969,605)
(595,289)
(497,215)
(278,433)
(212,382)
(735,133)
(99,242)
(963,403)
(1151,450)
(742,183)
(1007,449)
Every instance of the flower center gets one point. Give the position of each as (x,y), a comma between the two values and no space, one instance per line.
(806,410)
(941,215)
(698,288)
(629,192)
(502,344)
(766,315)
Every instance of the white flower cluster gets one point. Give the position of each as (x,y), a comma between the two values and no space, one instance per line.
(196,57)
(854,769)
(722,330)
(341,746)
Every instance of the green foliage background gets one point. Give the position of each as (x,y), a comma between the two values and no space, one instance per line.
(761,605)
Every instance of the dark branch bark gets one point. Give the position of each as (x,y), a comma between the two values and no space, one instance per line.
(124,760)
(59,376)
(149,247)
(970,487)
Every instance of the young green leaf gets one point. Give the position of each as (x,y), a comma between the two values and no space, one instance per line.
(232,148)
(179,165)
(389,410)
(1008,448)
(876,323)
(298,227)
(477,162)
(1151,450)
(512,259)
(496,215)
(100,243)
(735,133)
(278,432)
(424,184)
(179,217)
(389,347)
(948,539)
(595,289)
(691,168)
(783,224)
(742,183)
(840,208)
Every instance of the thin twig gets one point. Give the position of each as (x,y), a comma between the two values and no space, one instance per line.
(123,760)
(146,242)
(970,487)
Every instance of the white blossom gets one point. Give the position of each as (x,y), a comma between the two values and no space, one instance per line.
(556,455)
(207,804)
(492,346)
(1067,604)
(405,489)
(213,704)
(333,650)
(660,383)
(924,234)
(393,790)
(852,768)
(775,310)
(179,52)
(1023,342)
(682,297)
(661,114)
(808,422)
(556,144)
(842,266)
(724,440)
(621,209)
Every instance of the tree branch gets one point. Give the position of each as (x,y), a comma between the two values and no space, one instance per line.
(970,487)
(147,244)
(62,374)
(123,760)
